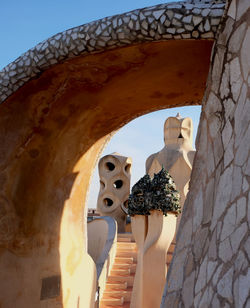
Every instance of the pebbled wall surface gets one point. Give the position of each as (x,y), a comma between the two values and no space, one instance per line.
(210,267)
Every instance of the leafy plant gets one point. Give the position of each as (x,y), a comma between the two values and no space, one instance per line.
(158,193)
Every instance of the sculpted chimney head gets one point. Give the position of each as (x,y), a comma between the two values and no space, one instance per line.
(178,130)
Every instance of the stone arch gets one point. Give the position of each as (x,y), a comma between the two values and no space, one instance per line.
(174,21)
(59,110)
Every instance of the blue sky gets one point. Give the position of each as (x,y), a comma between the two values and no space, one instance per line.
(139,139)
(25,23)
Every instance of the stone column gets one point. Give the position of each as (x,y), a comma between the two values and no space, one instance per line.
(177,155)
(139,228)
(153,235)
(114,172)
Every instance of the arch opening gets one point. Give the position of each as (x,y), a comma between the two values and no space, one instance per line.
(139,139)
(63,119)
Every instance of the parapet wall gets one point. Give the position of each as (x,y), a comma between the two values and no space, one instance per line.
(210,267)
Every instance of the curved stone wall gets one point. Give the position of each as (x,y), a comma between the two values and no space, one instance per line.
(197,19)
(210,266)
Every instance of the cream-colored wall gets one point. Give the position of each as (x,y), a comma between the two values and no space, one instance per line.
(102,243)
(97,236)
(153,235)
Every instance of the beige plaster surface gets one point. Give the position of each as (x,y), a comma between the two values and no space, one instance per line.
(139,229)
(153,235)
(97,235)
(114,172)
(51,132)
(177,155)
(161,231)
(102,246)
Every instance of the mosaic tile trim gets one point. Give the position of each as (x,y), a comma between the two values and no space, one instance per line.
(180,20)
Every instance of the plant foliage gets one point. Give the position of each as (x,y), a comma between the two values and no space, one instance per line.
(158,193)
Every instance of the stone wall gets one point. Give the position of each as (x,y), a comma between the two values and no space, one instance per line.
(210,267)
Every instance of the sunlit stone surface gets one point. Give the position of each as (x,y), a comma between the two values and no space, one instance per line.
(177,155)
(221,271)
(114,173)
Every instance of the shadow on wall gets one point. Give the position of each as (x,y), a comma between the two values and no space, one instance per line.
(52,130)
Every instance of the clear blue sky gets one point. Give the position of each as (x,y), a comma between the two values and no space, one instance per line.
(139,139)
(25,23)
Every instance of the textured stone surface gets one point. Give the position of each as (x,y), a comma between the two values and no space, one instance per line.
(114,173)
(221,268)
(188,289)
(154,24)
(177,154)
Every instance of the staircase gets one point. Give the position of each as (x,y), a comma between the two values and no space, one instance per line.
(119,283)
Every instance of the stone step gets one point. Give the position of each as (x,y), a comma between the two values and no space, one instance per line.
(127,254)
(116,286)
(126,235)
(124,253)
(128,279)
(124,305)
(120,272)
(124,240)
(128,245)
(126,294)
(132,255)
(112,301)
(132,267)
(128,249)
(123,260)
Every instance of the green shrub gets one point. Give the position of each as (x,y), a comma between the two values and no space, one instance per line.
(158,193)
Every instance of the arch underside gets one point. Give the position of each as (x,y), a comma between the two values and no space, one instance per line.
(53,128)
(57,115)
(53,120)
